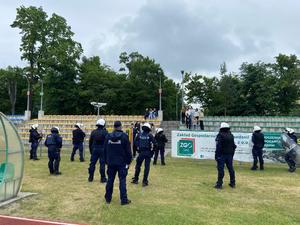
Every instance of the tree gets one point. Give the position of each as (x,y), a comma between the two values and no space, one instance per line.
(99,83)
(49,48)
(32,22)
(11,78)
(258,89)
(287,71)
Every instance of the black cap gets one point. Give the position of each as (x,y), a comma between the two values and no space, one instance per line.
(117,124)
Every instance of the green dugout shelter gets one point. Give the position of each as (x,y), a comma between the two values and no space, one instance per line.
(11,159)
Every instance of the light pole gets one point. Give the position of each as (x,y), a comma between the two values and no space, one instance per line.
(160,112)
(27,112)
(182,103)
(41,111)
(176,105)
(160,90)
(98,105)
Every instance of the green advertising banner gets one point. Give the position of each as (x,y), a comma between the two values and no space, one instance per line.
(273,141)
(186,147)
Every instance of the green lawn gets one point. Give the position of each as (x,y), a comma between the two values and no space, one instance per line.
(180,193)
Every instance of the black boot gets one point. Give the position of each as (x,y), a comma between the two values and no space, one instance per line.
(232,185)
(103,180)
(254,167)
(134,180)
(292,169)
(218,186)
(261,167)
(91,178)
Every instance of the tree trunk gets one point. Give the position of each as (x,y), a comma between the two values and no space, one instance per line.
(12,92)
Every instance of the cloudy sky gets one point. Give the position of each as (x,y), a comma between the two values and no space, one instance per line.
(193,35)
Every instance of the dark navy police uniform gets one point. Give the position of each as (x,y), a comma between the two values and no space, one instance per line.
(291,155)
(144,142)
(258,140)
(54,144)
(118,157)
(34,139)
(225,148)
(96,145)
(161,141)
(78,139)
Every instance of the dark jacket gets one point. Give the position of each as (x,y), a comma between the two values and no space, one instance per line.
(144,141)
(293,137)
(97,138)
(258,140)
(117,149)
(225,143)
(34,135)
(78,136)
(161,139)
(53,141)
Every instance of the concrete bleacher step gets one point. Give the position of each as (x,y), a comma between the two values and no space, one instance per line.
(66,124)
(168,127)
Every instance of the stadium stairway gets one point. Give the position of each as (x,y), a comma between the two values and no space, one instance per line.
(168,126)
(66,124)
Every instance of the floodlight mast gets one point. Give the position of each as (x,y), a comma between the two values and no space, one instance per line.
(98,105)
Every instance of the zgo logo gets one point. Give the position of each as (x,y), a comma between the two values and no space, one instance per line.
(186,147)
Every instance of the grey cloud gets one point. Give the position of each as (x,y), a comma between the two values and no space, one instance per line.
(200,37)
(192,35)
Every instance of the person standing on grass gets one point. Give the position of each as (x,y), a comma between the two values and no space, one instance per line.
(225,148)
(54,144)
(258,141)
(78,139)
(34,139)
(96,145)
(135,132)
(290,156)
(145,142)
(161,141)
(118,158)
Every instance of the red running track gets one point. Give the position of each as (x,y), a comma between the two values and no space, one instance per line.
(11,220)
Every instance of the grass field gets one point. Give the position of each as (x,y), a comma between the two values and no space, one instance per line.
(180,193)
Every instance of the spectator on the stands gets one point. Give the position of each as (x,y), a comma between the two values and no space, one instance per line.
(201,118)
(146,116)
(151,116)
(183,115)
(155,113)
(196,119)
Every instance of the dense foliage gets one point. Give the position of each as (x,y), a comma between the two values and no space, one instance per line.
(258,89)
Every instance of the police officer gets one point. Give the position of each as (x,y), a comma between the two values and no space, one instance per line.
(34,139)
(225,148)
(258,141)
(144,142)
(117,157)
(135,132)
(291,155)
(161,140)
(78,139)
(96,145)
(54,144)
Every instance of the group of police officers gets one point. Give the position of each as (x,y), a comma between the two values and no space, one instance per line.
(114,150)
(110,149)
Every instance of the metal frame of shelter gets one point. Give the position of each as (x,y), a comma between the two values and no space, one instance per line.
(11,159)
